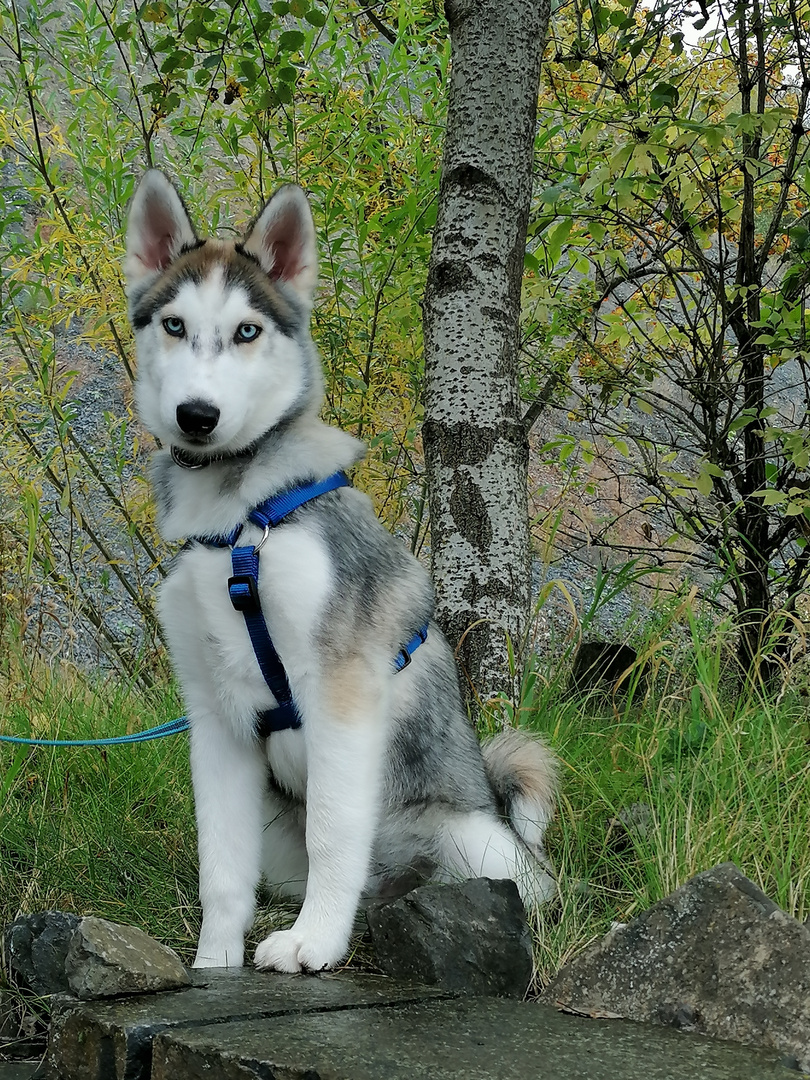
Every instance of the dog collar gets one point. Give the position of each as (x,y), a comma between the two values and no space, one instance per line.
(187,460)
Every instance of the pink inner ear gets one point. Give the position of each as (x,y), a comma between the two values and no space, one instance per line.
(283,244)
(159,236)
(286,260)
(157,252)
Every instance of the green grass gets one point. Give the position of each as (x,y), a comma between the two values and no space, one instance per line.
(719,775)
(711,772)
(102,831)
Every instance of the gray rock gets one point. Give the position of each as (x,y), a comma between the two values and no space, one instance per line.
(471,938)
(600,665)
(106,960)
(716,957)
(35,948)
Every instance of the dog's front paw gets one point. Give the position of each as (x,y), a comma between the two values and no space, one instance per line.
(294,951)
(210,956)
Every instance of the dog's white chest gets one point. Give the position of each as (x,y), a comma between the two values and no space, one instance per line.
(211,646)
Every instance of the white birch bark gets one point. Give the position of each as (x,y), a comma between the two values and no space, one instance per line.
(476,447)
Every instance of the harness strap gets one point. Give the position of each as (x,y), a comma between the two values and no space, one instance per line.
(243,589)
(272,511)
(403,657)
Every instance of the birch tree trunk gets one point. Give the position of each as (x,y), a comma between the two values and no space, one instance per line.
(476,447)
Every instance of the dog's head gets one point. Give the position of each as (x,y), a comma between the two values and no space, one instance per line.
(221,327)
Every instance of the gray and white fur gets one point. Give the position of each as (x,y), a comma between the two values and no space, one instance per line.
(385,784)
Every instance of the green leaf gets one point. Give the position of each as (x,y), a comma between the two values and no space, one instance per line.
(155,12)
(315,17)
(554,193)
(557,237)
(268,99)
(704,482)
(664,96)
(263,24)
(249,70)
(291,40)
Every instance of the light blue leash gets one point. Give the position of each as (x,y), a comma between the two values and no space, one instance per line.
(243,590)
(171,727)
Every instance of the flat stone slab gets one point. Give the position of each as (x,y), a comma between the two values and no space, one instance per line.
(101,1040)
(460,1039)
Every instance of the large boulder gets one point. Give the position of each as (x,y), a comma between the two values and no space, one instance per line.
(717,957)
(472,937)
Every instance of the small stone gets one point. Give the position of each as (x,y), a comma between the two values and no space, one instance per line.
(35,949)
(637,820)
(106,959)
(716,957)
(470,938)
(604,666)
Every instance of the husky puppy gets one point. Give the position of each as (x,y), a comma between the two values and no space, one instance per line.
(384,784)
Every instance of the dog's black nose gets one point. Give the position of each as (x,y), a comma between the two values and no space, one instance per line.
(197,417)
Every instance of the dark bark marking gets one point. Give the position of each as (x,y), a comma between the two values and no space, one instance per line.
(468,177)
(469,444)
(469,511)
(450,276)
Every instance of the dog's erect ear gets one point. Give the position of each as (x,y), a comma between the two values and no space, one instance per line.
(158,228)
(282,238)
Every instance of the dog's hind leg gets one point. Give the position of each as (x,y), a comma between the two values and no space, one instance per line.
(229,782)
(284,855)
(479,845)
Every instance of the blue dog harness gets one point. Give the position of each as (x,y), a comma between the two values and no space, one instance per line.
(243,589)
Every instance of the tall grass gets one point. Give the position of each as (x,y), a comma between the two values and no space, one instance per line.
(103,831)
(689,768)
(682,772)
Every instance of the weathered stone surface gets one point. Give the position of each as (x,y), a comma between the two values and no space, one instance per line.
(716,957)
(472,937)
(35,948)
(112,1040)
(105,959)
(463,1039)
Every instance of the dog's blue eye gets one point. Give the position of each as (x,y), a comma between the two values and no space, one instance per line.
(248,331)
(174,327)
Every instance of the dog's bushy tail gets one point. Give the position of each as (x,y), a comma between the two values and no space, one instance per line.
(523,773)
